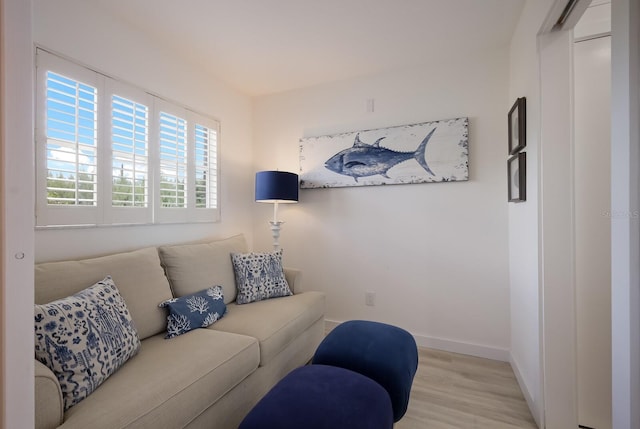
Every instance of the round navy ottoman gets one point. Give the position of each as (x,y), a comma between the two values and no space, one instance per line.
(322,397)
(384,353)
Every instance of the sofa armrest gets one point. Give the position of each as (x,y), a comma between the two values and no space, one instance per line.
(293,278)
(49,412)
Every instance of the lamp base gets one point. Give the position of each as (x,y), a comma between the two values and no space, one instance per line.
(275,233)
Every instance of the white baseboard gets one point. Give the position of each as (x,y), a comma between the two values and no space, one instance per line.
(448,345)
(533,406)
(471,349)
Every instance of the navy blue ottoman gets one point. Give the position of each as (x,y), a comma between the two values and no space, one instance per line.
(322,397)
(385,353)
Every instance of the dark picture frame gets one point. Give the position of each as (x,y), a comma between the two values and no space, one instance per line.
(518,126)
(517,177)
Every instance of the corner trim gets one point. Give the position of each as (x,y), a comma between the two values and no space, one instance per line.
(535,412)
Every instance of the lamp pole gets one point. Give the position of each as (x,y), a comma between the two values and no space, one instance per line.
(275,227)
(275,233)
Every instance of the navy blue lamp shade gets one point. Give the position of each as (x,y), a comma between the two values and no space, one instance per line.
(276,186)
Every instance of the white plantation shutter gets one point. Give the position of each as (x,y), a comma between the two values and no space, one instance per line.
(173,161)
(188,162)
(171,194)
(67,149)
(129,152)
(109,153)
(71,131)
(206,167)
(203,165)
(128,189)
(206,136)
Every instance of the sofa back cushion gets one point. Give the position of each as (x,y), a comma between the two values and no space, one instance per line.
(193,267)
(138,275)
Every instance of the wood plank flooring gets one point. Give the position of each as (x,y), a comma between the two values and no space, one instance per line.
(454,391)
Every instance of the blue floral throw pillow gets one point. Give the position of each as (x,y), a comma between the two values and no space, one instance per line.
(259,276)
(85,338)
(197,310)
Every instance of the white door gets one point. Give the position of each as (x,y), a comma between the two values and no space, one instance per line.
(592,157)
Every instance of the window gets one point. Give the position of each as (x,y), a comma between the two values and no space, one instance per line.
(71,141)
(109,153)
(206,143)
(129,153)
(173,161)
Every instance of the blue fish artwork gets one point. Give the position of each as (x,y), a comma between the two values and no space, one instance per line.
(425,152)
(364,159)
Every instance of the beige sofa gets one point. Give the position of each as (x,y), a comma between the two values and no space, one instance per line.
(206,378)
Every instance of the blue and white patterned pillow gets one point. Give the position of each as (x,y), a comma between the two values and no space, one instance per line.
(197,310)
(259,276)
(85,338)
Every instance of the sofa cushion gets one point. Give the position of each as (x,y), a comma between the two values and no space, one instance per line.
(274,322)
(85,338)
(139,276)
(197,310)
(169,383)
(193,267)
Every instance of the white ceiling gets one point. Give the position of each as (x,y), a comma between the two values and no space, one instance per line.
(266,46)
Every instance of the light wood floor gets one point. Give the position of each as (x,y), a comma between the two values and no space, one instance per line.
(453,391)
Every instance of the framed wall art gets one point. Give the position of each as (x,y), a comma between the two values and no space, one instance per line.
(517,177)
(518,126)
(418,153)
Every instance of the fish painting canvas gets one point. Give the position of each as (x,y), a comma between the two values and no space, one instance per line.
(436,151)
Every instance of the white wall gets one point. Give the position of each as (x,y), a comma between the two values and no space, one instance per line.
(434,254)
(84,32)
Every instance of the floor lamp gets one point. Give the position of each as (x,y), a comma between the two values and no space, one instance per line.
(276,187)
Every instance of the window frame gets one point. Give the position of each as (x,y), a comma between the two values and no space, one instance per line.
(104,213)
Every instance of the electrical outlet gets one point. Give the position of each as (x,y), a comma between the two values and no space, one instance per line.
(370,298)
